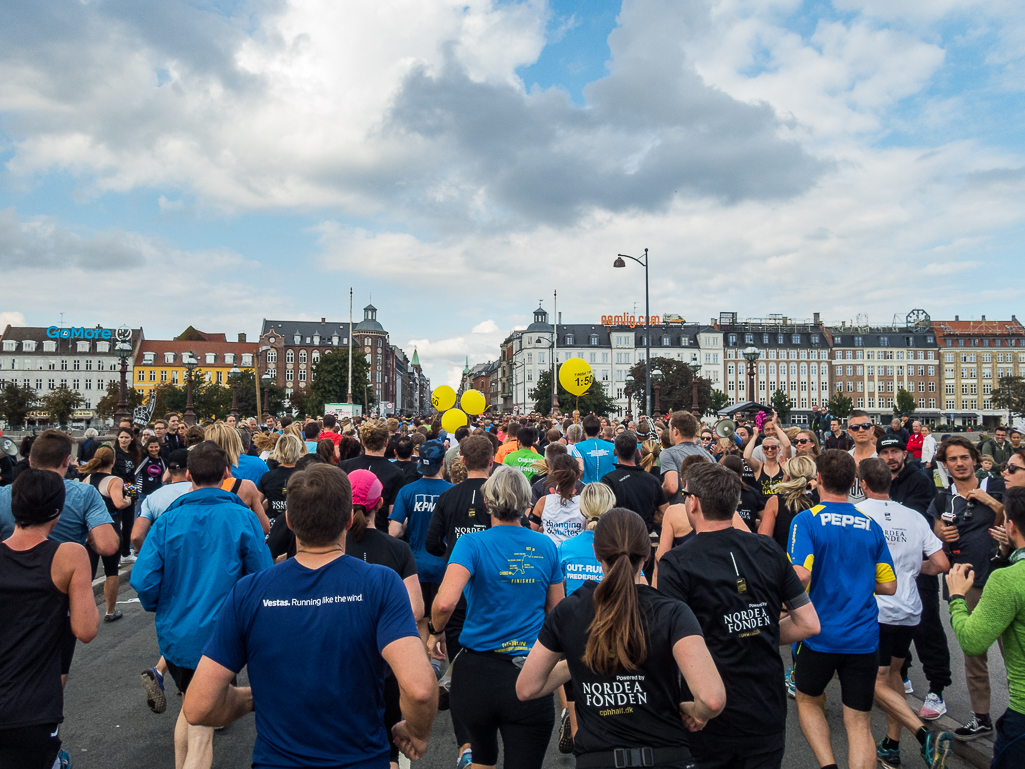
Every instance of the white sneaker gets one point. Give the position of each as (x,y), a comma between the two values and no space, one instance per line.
(130,558)
(909,688)
(932,708)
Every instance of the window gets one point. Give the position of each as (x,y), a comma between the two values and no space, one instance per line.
(857,341)
(163,375)
(272,356)
(168,357)
(290,357)
(569,339)
(210,358)
(220,380)
(153,375)
(289,374)
(666,341)
(530,357)
(89,365)
(594,340)
(850,387)
(49,384)
(795,339)
(142,375)
(850,371)
(247,359)
(174,377)
(302,375)
(932,387)
(64,365)
(731,340)
(948,389)
(302,356)
(932,403)
(604,357)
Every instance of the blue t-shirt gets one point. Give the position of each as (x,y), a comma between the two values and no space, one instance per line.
(577,561)
(83,511)
(156,504)
(416,502)
(250,468)
(598,459)
(324,628)
(510,569)
(846,553)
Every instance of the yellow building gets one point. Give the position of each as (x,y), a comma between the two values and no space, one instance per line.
(163,362)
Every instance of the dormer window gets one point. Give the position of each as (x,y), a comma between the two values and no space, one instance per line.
(10,345)
(684,341)
(103,347)
(297,339)
(149,358)
(211,357)
(594,340)
(247,359)
(229,358)
(666,341)
(168,357)
(49,346)
(82,346)
(30,346)
(316,339)
(334,340)
(569,339)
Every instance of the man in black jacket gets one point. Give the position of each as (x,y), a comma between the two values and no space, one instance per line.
(912,488)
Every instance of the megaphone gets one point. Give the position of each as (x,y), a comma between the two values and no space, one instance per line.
(725,428)
(8,447)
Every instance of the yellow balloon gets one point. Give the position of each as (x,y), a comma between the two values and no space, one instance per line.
(453,419)
(473,402)
(443,398)
(575,376)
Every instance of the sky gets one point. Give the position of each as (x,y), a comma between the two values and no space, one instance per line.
(213,163)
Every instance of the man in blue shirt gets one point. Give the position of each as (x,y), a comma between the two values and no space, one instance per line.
(841,554)
(411,516)
(596,453)
(315,634)
(195,553)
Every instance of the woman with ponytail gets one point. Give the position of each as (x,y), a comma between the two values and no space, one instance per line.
(557,513)
(99,473)
(793,495)
(624,646)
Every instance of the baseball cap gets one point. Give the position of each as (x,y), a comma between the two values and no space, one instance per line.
(432,456)
(366,489)
(178,459)
(891,442)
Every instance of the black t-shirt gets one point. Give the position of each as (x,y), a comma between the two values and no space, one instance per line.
(384,550)
(458,511)
(538,489)
(974,544)
(390,476)
(274,486)
(738,607)
(636,490)
(409,471)
(635,709)
(752,502)
(149,475)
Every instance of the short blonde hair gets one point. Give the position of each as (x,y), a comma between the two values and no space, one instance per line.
(288,450)
(227,438)
(507,493)
(595,500)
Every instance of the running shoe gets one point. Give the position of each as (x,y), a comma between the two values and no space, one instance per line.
(791,686)
(464,761)
(565,734)
(153,683)
(130,558)
(113,617)
(932,708)
(909,688)
(974,729)
(63,760)
(936,749)
(888,757)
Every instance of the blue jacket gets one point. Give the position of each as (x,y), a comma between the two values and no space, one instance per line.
(194,554)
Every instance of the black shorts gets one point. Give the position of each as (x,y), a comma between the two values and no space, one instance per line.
(814,670)
(182,677)
(110,562)
(29,747)
(895,642)
(430,592)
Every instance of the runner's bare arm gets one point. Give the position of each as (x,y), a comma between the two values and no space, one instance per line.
(396,529)
(418,694)
(556,592)
(103,539)
(768,522)
(800,623)
(937,563)
(670,482)
(456,578)
(416,596)
(72,574)
(211,699)
(139,531)
(702,679)
(542,673)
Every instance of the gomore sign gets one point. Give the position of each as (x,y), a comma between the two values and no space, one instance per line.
(79,333)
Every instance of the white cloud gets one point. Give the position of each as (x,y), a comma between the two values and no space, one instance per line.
(486,327)
(11,318)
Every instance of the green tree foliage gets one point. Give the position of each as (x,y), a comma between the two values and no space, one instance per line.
(717,400)
(331,377)
(213,401)
(247,397)
(904,403)
(59,403)
(783,405)
(107,405)
(1009,394)
(300,403)
(596,399)
(15,403)
(675,388)
(840,406)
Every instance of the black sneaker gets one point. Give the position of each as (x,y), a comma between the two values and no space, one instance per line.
(974,729)
(113,617)
(565,734)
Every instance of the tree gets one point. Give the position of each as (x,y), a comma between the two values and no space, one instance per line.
(905,403)
(300,402)
(1010,394)
(331,380)
(718,400)
(15,403)
(246,387)
(596,399)
(107,405)
(675,388)
(783,405)
(840,406)
(60,402)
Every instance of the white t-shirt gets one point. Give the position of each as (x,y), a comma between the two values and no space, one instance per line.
(561,519)
(911,540)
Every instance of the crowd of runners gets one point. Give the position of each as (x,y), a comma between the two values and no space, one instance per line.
(645,593)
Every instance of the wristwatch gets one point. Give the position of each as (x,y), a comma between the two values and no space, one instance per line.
(430,627)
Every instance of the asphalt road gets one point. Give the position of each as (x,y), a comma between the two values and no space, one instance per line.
(108,725)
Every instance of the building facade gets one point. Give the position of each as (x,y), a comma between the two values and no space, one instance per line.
(84,360)
(159,362)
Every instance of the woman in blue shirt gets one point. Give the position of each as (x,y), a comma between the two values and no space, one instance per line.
(511,578)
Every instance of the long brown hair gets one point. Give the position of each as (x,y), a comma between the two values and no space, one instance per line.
(104,456)
(360,514)
(617,639)
(563,476)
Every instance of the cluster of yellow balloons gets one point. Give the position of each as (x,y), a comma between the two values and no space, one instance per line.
(576,376)
(444,398)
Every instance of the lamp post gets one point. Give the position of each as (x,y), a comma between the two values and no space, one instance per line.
(694,367)
(647,323)
(123,348)
(629,390)
(190,365)
(233,377)
(656,379)
(266,379)
(751,354)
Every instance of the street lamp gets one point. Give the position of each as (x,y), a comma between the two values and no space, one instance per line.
(629,390)
(647,322)
(751,354)
(233,377)
(656,378)
(266,379)
(123,348)
(190,365)
(694,367)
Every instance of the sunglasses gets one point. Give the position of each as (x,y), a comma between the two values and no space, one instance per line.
(801,441)
(868,426)
(1012,469)
(770,448)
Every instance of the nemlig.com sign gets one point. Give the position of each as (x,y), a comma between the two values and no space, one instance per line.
(79,333)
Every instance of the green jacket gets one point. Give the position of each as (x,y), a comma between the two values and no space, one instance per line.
(1000,614)
(1000,454)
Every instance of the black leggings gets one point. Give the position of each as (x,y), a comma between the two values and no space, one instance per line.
(484,698)
(453,647)
(29,747)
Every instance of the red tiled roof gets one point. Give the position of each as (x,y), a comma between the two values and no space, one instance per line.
(199,349)
(1011,327)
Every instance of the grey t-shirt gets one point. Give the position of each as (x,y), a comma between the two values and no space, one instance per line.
(672,458)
